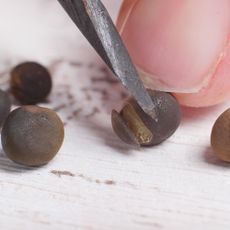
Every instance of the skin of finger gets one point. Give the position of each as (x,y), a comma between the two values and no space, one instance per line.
(215,91)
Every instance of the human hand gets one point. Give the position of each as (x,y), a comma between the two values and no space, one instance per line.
(180,46)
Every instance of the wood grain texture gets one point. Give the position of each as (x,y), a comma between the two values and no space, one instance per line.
(96,182)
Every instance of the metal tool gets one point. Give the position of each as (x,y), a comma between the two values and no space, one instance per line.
(93,20)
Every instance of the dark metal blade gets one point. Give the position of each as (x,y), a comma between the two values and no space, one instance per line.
(94,21)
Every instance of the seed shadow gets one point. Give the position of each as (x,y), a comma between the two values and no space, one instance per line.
(109,138)
(210,158)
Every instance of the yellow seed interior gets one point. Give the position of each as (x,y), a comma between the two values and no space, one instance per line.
(136,125)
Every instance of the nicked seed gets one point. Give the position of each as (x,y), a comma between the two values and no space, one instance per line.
(30,83)
(32,135)
(134,126)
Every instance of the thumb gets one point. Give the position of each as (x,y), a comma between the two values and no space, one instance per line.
(180,46)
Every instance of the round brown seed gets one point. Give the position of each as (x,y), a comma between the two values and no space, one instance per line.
(134,126)
(5,105)
(32,135)
(220,136)
(30,83)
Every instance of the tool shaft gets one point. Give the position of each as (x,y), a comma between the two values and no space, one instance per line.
(92,18)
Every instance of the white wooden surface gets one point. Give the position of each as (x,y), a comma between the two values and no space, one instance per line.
(96,181)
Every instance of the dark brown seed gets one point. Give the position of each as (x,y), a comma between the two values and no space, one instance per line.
(5,105)
(220,136)
(32,135)
(30,83)
(134,126)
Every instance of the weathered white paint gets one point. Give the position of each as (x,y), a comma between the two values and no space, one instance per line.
(174,186)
